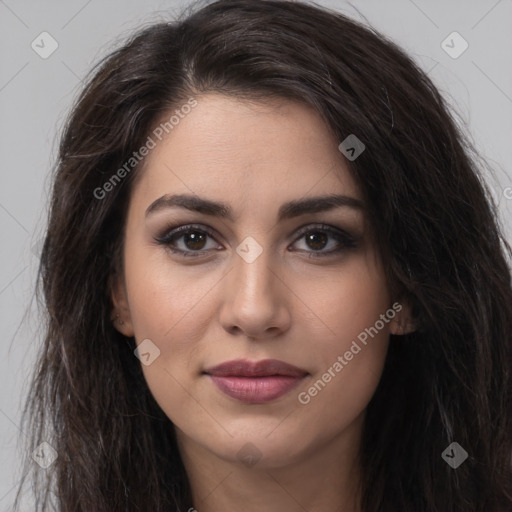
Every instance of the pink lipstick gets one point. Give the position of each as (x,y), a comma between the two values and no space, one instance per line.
(255,382)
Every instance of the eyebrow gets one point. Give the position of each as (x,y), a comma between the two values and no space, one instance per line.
(288,210)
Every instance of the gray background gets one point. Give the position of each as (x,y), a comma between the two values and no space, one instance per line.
(35,95)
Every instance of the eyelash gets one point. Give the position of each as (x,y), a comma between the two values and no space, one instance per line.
(173,233)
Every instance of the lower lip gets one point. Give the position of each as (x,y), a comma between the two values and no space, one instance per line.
(255,390)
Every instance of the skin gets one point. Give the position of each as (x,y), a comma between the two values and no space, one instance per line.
(201,311)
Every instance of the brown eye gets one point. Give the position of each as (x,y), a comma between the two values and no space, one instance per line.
(318,238)
(194,240)
(188,240)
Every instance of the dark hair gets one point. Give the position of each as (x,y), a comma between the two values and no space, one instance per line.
(435,225)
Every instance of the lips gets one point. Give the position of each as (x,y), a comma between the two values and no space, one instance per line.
(255,382)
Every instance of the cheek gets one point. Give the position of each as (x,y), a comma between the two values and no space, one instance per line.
(338,394)
(346,302)
(170,308)
(168,303)
(351,354)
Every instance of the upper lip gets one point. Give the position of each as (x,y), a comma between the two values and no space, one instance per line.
(264,368)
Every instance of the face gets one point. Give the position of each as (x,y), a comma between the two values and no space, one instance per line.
(235,254)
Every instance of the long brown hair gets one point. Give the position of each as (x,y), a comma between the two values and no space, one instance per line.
(435,225)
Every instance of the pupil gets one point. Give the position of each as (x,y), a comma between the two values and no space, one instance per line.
(194,240)
(316,240)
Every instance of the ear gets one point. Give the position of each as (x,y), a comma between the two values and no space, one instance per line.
(121,317)
(403,322)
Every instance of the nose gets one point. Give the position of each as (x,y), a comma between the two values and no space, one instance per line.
(256,300)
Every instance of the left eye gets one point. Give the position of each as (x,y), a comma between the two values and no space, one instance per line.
(192,241)
(322,237)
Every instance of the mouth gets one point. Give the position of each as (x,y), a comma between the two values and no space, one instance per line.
(255,382)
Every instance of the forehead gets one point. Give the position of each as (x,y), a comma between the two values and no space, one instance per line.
(229,148)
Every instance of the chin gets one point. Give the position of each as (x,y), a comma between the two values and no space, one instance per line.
(258,446)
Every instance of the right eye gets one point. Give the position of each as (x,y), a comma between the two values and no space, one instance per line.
(192,238)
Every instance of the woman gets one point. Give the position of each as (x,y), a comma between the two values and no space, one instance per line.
(274,280)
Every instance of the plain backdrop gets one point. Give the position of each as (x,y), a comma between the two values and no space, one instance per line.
(36,93)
